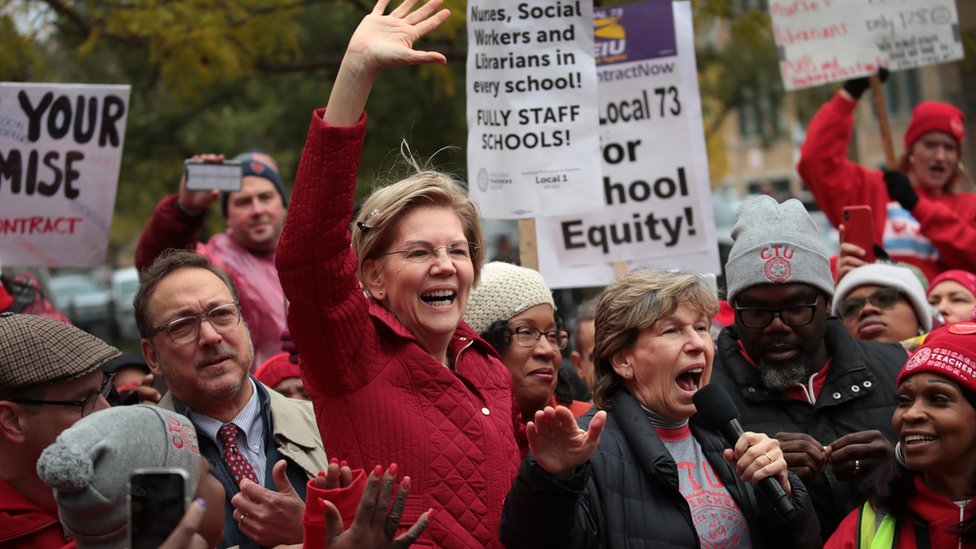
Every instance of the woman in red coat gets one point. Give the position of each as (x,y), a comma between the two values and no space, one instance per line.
(925,496)
(393,372)
(921,213)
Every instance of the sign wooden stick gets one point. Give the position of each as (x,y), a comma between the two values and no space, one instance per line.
(528,247)
(882,112)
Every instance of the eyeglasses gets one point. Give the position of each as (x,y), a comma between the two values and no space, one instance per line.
(424,253)
(223,318)
(527,336)
(793,316)
(87,405)
(885,298)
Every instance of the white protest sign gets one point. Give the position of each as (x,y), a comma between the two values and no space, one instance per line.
(60,152)
(655,193)
(823,41)
(531,108)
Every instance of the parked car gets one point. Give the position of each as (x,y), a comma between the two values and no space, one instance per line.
(125,283)
(86,302)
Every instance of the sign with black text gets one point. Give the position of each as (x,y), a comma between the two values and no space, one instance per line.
(60,153)
(531,108)
(654,192)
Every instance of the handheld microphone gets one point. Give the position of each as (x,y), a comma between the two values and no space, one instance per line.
(716,409)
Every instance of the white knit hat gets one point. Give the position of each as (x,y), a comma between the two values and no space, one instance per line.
(883,274)
(505,291)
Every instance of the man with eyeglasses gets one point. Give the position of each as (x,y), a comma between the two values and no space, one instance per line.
(262,446)
(50,377)
(793,372)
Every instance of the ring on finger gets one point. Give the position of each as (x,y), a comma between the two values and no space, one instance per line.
(241,521)
(857,466)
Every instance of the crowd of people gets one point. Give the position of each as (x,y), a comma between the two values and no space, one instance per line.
(362,377)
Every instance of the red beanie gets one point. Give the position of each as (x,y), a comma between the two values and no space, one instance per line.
(933,116)
(964,278)
(277,368)
(950,352)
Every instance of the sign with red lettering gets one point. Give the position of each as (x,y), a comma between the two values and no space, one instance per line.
(60,152)
(823,41)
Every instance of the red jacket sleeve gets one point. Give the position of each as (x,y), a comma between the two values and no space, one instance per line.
(328,314)
(167,228)
(346,501)
(835,181)
(950,224)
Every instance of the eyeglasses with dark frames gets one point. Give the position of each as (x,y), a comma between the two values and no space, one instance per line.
(527,336)
(793,316)
(87,404)
(424,253)
(885,298)
(185,329)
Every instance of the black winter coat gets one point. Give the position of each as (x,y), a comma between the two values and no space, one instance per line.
(859,394)
(627,495)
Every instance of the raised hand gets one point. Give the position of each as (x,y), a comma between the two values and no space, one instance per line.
(270,517)
(558,444)
(381,41)
(197,202)
(854,455)
(756,456)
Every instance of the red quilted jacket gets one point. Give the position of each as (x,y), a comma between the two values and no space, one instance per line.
(379,397)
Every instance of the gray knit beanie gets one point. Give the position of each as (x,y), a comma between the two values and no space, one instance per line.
(89,465)
(776,244)
(505,291)
(885,275)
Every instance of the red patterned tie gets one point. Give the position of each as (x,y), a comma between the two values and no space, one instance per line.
(239,465)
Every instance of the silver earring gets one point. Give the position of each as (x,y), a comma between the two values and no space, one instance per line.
(900,455)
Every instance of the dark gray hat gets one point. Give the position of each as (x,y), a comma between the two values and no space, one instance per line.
(35,349)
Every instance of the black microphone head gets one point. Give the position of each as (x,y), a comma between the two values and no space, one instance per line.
(714,405)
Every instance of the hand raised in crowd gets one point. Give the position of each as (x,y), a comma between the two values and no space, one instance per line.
(381,41)
(558,444)
(185,535)
(338,475)
(854,455)
(900,189)
(806,457)
(197,202)
(270,517)
(756,456)
(376,521)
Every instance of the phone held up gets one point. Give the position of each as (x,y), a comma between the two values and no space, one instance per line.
(206,176)
(157,501)
(859,229)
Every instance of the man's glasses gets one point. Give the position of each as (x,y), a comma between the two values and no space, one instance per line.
(760,317)
(424,253)
(87,405)
(527,336)
(885,298)
(223,318)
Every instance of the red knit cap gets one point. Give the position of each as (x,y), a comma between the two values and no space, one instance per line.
(933,116)
(276,369)
(964,278)
(950,352)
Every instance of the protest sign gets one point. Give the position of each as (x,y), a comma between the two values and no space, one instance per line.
(654,193)
(531,108)
(823,41)
(60,152)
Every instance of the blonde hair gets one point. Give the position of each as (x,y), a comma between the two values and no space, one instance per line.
(633,302)
(379,216)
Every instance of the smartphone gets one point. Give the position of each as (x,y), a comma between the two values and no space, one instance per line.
(205,176)
(157,501)
(859,229)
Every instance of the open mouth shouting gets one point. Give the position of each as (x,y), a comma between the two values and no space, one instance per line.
(690,380)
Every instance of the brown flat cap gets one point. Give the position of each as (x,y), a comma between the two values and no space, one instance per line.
(35,350)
